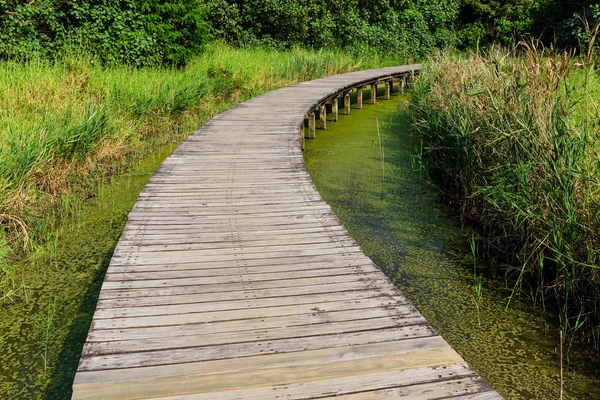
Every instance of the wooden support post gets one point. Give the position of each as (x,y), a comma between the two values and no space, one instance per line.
(373,93)
(334,109)
(387,90)
(359,98)
(323,116)
(347,103)
(402,84)
(302,141)
(311,126)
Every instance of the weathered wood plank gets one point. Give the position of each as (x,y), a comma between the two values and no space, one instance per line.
(403,315)
(228,287)
(241,294)
(260,335)
(236,350)
(225,315)
(344,385)
(280,376)
(247,304)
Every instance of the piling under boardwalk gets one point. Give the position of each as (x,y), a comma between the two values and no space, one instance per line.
(233,279)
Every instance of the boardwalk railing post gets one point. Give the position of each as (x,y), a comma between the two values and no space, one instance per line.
(334,109)
(323,116)
(388,89)
(347,103)
(311,126)
(302,141)
(359,97)
(373,93)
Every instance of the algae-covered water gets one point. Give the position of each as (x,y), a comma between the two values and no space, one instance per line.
(41,337)
(426,254)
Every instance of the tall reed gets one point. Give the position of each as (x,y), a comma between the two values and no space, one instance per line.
(513,139)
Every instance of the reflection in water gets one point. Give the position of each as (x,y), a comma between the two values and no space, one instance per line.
(424,253)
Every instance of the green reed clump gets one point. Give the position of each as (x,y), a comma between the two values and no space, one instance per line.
(67,125)
(513,138)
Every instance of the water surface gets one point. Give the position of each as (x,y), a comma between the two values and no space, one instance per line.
(409,235)
(42,336)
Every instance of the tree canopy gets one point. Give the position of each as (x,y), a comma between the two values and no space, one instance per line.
(153,32)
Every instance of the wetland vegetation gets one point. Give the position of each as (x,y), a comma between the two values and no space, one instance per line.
(514,141)
(407,231)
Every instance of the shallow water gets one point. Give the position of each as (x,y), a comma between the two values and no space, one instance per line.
(67,280)
(424,252)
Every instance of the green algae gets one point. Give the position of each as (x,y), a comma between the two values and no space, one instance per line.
(41,348)
(426,254)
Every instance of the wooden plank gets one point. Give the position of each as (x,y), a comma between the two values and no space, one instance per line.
(228,287)
(428,391)
(260,335)
(279,376)
(345,386)
(403,315)
(325,288)
(244,254)
(237,350)
(247,274)
(226,315)
(311,261)
(246,304)
(157,237)
(348,384)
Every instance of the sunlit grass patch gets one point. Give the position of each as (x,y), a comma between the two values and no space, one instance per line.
(67,126)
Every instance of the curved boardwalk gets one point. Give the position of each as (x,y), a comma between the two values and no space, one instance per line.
(234,280)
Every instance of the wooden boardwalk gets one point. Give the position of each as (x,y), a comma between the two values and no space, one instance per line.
(233,279)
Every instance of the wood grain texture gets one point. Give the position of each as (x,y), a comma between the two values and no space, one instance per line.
(234,280)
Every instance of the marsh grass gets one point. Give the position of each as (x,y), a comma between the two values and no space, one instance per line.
(44,321)
(513,139)
(67,126)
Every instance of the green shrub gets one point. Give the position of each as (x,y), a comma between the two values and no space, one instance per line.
(136,32)
(412,27)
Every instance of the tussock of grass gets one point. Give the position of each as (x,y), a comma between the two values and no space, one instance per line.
(515,139)
(67,126)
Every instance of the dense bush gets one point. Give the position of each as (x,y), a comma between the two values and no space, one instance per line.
(152,32)
(495,20)
(564,18)
(405,27)
(138,32)
(555,21)
(410,27)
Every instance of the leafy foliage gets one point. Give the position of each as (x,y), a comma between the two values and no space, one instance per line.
(495,20)
(138,32)
(153,32)
(564,18)
(507,21)
(404,27)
